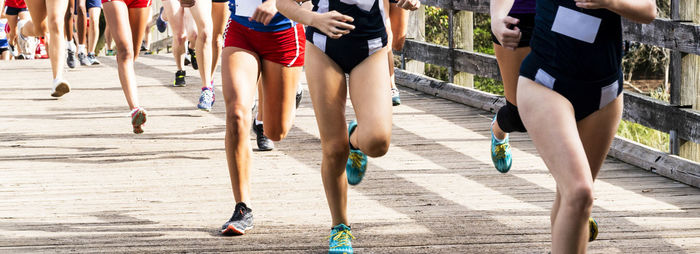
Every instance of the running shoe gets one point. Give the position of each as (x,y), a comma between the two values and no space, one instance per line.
(93,59)
(264,143)
(26,43)
(300,93)
(160,23)
(110,52)
(84,61)
(593,229)
(143,46)
(13,51)
(357,160)
(138,118)
(60,87)
(187,61)
(179,79)
(395,98)
(240,221)
(500,152)
(340,240)
(193,59)
(206,99)
(70,58)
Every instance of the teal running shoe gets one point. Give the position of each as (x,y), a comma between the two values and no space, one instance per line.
(395,97)
(340,240)
(500,153)
(593,229)
(357,161)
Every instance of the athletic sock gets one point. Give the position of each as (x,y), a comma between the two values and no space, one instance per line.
(500,141)
(258,122)
(81,48)
(70,45)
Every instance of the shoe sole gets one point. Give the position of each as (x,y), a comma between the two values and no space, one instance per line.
(61,89)
(204,109)
(233,231)
(138,122)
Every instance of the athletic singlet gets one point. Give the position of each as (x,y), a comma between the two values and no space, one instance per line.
(242,10)
(523,7)
(580,44)
(369,15)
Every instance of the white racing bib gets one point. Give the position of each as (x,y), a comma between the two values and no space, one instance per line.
(246,8)
(576,24)
(365,5)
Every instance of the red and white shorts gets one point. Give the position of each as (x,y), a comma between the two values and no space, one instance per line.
(284,47)
(132,3)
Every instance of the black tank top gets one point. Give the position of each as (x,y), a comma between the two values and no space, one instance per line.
(590,60)
(368,15)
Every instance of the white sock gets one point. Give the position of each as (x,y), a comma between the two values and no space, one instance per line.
(70,45)
(81,48)
(258,122)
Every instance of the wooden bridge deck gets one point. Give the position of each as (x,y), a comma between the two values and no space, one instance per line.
(74,179)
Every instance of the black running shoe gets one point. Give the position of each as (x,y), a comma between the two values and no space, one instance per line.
(193,59)
(264,143)
(179,79)
(241,220)
(187,61)
(300,92)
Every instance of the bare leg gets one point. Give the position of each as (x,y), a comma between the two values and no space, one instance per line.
(220,14)
(549,117)
(49,16)
(120,18)
(94,29)
(201,12)
(240,69)
(82,22)
(175,16)
(279,86)
(509,63)
(328,91)
(399,23)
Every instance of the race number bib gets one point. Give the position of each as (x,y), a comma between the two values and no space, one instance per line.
(365,5)
(246,8)
(576,24)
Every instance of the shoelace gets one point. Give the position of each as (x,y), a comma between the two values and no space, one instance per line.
(356,159)
(342,238)
(501,151)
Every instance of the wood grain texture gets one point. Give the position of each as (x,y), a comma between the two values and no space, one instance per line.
(73,178)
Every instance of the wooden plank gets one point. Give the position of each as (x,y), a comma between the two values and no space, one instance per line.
(662,116)
(484,65)
(647,158)
(647,111)
(680,36)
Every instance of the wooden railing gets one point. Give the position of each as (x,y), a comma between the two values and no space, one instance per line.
(677,117)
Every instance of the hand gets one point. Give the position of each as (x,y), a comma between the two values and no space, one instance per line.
(593,4)
(187,3)
(264,13)
(410,5)
(332,23)
(509,38)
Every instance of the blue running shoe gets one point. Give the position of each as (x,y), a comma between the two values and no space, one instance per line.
(357,161)
(500,153)
(340,240)
(593,229)
(206,99)
(395,97)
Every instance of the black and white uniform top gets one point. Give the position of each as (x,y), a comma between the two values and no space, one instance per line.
(577,53)
(368,36)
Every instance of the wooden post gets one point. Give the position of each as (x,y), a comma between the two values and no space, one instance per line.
(416,31)
(463,37)
(690,71)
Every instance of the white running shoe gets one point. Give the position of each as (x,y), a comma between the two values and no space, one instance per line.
(60,87)
(27,43)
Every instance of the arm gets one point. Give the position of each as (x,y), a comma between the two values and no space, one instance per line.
(330,23)
(640,11)
(501,23)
